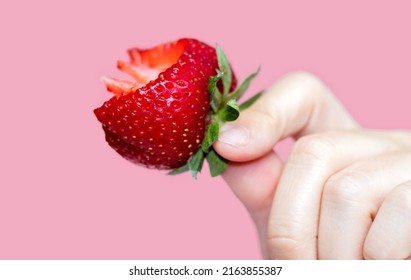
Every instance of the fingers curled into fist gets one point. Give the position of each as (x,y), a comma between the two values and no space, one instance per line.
(344,192)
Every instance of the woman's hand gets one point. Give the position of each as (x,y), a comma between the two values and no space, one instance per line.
(343,193)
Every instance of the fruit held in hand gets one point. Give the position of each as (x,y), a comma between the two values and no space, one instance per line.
(160,119)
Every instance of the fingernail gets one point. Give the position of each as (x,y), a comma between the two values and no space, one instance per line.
(234,135)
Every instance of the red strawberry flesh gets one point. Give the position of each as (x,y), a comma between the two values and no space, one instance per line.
(158,120)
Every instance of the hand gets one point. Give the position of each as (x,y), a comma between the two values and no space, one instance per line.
(343,193)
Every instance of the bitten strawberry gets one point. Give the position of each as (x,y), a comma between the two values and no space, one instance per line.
(161,118)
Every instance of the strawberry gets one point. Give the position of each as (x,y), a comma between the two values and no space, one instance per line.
(162,119)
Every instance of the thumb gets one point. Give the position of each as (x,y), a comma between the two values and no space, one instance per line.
(254,183)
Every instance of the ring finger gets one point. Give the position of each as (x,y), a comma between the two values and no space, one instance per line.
(390,234)
(350,201)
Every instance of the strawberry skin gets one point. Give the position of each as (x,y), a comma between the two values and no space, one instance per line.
(159,119)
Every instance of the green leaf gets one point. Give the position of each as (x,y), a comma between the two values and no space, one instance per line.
(179,170)
(215,101)
(196,163)
(250,101)
(216,163)
(215,95)
(231,111)
(225,69)
(212,82)
(239,91)
(211,135)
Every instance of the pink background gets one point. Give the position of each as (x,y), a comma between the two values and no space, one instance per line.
(64,194)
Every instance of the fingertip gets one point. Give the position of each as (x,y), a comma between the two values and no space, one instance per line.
(251,136)
(233,141)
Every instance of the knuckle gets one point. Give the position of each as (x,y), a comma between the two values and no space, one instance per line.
(309,81)
(400,139)
(401,197)
(345,187)
(305,77)
(312,150)
(268,118)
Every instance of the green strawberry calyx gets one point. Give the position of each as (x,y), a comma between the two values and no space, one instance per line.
(224,108)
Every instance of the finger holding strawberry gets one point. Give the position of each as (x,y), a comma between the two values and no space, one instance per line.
(170,115)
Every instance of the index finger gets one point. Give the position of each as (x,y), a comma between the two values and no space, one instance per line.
(296,105)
